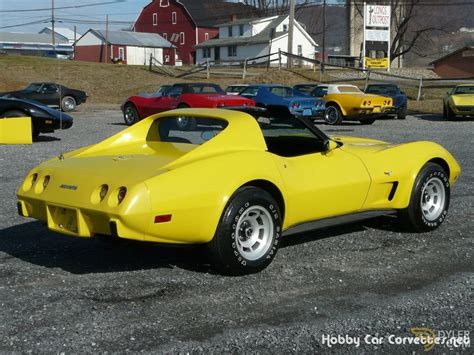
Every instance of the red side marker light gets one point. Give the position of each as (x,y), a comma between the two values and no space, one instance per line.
(163,218)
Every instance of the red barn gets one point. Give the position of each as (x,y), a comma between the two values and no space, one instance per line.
(457,64)
(186,23)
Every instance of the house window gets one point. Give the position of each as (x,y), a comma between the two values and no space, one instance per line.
(206,36)
(230,31)
(165,36)
(206,52)
(121,53)
(300,50)
(241,30)
(181,38)
(155,19)
(232,51)
(173,18)
(285,28)
(164,3)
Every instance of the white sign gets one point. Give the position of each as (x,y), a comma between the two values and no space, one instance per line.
(377,35)
(377,16)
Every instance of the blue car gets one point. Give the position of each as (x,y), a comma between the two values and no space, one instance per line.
(393,91)
(298,103)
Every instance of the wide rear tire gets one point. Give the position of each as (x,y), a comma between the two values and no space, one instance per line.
(333,115)
(248,234)
(429,200)
(402,114)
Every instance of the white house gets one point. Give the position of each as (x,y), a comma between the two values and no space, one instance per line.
(250,38)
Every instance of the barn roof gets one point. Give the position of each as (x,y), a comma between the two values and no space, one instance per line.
(471,47)
(138,39)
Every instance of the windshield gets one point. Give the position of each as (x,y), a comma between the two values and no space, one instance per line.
(460,90)
(382,90)
(33,87)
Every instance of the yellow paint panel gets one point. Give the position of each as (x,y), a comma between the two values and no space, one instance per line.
(16,130)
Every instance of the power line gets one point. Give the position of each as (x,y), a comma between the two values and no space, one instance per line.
(64,7)
(27,23)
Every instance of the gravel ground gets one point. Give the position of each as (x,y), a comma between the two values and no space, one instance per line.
(60,294)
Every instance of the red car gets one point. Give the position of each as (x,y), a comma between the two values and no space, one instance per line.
(180,96)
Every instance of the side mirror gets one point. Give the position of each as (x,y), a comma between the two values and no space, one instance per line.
(330,145)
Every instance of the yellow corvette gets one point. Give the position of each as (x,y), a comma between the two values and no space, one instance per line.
(348,102)
(459,102)
(238,181)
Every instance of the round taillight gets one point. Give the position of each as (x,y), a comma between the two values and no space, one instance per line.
(34,177)
(364,103)
(103,191)
(46,180)
(121,194)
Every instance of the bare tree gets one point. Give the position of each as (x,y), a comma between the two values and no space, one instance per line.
(272,7)
(412,24)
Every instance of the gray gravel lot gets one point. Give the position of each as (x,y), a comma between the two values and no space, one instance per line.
(60,294)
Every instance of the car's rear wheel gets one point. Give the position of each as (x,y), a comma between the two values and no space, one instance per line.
(248,235)
(445,112)
(68,103)
(402,114)
(185,123)
(16,113)
(429,200)
(333,115)
(367,121)
(130,114)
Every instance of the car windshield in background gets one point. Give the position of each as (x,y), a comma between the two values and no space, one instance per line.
(277,126)
(349,89)
(33,87)
(281,91)
(460,90)
(206,89)
(382,90)
(250,91)
(235,88)
(185,129)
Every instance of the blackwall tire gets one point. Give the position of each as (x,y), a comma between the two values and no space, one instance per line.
(248,235)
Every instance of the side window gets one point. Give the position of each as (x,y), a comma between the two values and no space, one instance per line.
(49,88)
(250,91)
(173,18)
(174,91)
(155,19)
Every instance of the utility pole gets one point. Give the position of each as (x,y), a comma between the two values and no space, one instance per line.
(290,33)
(106,38)
(53,39)
(324,37)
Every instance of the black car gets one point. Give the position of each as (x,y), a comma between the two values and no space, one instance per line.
(43,118)
(51,94)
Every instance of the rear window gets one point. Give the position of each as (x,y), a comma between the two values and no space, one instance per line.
(281,91)
(349,89)
(382,90)
(206,89)
(185,129)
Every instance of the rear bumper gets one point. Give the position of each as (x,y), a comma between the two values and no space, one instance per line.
(373,111)
(49,125)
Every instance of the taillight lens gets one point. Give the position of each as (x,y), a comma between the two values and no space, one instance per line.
(46,180)
(34,178)
(121,194)
(364,103)
(103,191)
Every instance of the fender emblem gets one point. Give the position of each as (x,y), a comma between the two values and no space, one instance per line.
(68,187)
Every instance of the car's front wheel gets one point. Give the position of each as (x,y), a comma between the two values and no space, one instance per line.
(429,200)
(449,113)
(130,114)
(248,235)
(333,115)
(68,104)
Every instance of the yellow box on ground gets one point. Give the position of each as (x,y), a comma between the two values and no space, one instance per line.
(16,130)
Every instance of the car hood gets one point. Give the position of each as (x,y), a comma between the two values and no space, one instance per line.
(463,100)
(57,114)
(362,146)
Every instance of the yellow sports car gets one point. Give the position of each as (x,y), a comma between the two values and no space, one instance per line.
(348,102)
(459,102)
(237,182)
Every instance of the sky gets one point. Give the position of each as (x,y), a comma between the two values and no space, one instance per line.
(122,14)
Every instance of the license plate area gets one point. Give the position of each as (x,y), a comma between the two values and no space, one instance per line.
(377,109)
(64,220)
(307,112)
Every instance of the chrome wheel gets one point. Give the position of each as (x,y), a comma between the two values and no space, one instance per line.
(433,198)
(254,233)
(130,115)
(69,104)
(331,116)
